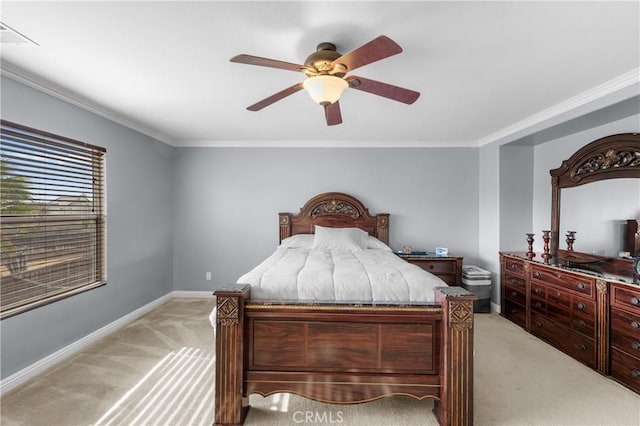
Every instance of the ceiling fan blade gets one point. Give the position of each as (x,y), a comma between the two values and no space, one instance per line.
(275,97)
(378,48)
(333,114)
(266,62)
(383,89)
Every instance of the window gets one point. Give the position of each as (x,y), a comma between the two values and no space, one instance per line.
(52,212)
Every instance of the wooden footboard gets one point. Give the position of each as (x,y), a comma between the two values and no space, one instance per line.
(344,353)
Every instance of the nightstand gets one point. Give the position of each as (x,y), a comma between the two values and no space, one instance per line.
(448,268)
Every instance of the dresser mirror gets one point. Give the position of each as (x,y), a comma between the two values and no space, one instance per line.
(596,164)
(598,212)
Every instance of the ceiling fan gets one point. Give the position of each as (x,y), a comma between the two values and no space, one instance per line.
(326,69)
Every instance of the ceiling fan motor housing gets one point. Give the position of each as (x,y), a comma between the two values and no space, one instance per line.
(320,62)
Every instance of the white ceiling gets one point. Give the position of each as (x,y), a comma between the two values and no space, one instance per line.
(484,69)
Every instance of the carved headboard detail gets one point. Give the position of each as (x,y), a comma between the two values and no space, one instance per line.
(335,210)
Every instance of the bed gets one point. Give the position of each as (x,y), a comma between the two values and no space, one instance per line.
(343,349)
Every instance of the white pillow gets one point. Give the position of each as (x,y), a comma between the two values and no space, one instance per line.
(353,239)
(304,241)
(376,244)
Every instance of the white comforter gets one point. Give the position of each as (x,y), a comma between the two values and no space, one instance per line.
(369,275)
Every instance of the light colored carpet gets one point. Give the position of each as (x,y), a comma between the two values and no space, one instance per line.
(158,371)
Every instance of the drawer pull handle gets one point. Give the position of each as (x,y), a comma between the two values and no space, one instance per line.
(557,295)
(514,281)
(513,311)
(537,274)
(581,286)
(580,306)
(514,294)
(635,301)
(537,290)
(538,324)
(538,305)
(513,266)
(583,347)
(636,346)
(635,324)
(558,276)
(580,324)
(635,374)
(430,266)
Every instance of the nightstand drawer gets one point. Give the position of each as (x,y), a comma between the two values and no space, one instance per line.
(448,269)
(435,266)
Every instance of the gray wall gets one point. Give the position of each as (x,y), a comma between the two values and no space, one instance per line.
(596,210)
(227,200)
(139,233)
(516,196)
(489,215)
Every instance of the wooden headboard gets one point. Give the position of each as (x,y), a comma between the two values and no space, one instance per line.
(334,210)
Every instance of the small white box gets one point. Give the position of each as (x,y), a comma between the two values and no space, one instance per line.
(442,252)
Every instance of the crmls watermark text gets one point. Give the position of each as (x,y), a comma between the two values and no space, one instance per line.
(317,417)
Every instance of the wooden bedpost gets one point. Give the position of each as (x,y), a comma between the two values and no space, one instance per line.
(229,407)
(456,405)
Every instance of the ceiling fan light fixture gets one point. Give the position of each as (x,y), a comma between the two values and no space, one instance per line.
(325,89)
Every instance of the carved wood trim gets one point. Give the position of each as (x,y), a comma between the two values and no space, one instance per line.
(227,311)
(602,327)
(456,404)
(610,157)
(230,408)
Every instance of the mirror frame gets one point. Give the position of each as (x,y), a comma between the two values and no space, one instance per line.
(612,157)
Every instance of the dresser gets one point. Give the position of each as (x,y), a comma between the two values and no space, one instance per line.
(447,268)
(594,318)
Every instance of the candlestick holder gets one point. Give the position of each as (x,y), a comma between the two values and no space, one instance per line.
(571,237)
(530,253)
(546,236)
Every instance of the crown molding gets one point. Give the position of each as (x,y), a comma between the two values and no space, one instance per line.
(324,144)
(618,89)
(52,89)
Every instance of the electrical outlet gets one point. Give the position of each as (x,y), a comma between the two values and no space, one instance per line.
(208,276)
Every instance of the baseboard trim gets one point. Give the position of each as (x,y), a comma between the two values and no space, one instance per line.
(193,294)
(49,361)
(496,308)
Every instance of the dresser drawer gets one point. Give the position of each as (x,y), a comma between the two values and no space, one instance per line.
(625,298)
(549,331)
(625,332)
(515,294)
(513,281)
(514,266)
(559,305)
(576,345)
(515,313)
(576,283)
(583,316)
(626,368)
